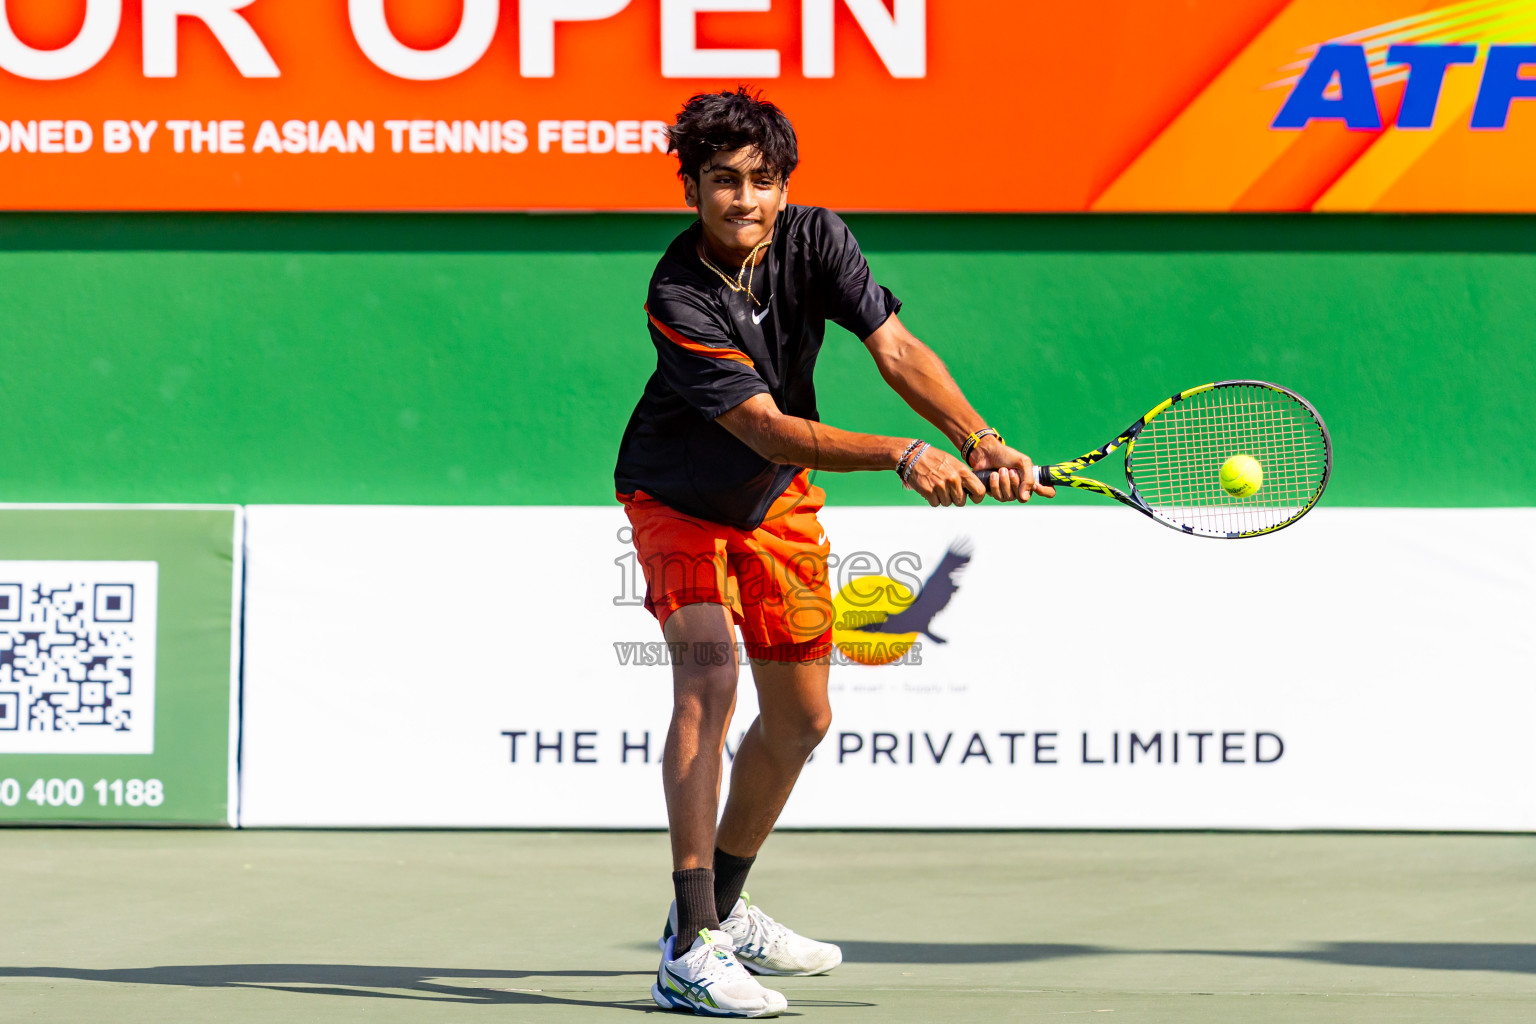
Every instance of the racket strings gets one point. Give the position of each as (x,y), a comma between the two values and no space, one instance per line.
(1176,463)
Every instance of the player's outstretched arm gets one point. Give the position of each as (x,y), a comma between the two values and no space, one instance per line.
(916,373)
(939,477)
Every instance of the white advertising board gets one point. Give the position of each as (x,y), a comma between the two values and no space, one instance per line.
(1368,668)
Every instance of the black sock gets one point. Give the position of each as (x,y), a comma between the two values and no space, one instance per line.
(695,888)
(730,879)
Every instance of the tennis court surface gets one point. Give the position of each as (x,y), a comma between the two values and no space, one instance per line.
(254,926)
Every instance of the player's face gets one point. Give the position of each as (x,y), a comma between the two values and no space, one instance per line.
(738,200)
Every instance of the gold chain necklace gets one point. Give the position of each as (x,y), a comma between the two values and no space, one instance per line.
(737,285)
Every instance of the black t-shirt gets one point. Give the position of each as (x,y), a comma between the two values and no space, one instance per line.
(715,349)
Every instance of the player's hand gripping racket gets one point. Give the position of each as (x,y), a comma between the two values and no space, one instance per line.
(1237,459)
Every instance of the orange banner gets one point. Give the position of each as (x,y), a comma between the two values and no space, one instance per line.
(980,105)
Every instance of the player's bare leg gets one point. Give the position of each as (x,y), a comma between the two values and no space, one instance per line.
(794,715)
(703,700)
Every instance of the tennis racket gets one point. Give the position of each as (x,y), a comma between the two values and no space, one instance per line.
(1174,457)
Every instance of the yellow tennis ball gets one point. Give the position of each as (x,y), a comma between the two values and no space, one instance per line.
(1242,476)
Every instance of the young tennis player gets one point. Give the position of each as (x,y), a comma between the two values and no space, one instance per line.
(712,471)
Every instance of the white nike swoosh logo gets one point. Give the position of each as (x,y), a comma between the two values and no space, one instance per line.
(757,318)
(822,539)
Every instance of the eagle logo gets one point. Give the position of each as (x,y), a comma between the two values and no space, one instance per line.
(877,619)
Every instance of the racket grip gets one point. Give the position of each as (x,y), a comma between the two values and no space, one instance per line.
(1043,477)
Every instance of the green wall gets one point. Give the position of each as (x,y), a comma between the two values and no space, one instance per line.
(495,359)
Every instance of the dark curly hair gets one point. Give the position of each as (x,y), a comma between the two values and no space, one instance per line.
(714,122)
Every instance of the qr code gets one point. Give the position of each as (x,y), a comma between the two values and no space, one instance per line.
(77,657)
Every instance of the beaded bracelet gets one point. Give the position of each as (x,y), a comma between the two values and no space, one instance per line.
(906,476)
(974,439)
(901,463)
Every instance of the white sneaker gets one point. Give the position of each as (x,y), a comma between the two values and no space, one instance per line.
(764,946)
(767,947)
(709,980)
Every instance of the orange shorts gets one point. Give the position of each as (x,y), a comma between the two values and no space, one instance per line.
(773,578)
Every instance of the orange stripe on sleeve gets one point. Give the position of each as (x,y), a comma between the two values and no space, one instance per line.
(699,349)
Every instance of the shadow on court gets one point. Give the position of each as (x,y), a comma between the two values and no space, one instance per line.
(857,952)
(1508,957)
(421,983)
(435,984)
(370,982)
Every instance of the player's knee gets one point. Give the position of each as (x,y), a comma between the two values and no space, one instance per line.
(809,729)
(709,692)
(816,726)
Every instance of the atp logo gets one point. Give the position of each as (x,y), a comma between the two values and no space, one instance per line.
(878,619)
(1338,80)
